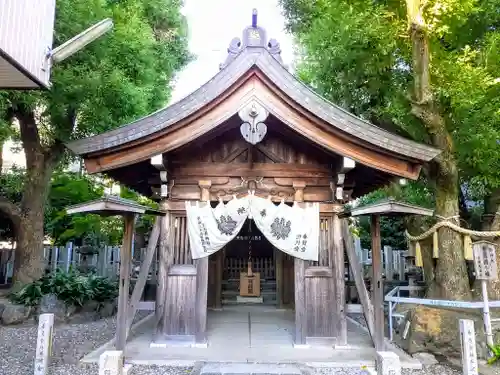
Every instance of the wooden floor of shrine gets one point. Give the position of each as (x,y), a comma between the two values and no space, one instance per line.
(260,334)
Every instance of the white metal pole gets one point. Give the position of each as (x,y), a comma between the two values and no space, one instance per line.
(486,315)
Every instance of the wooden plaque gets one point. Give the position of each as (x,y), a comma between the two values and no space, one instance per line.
(250,285)
(485,260)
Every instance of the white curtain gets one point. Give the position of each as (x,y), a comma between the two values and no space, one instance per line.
(294,230)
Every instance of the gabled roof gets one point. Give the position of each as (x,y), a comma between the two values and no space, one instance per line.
(261,59)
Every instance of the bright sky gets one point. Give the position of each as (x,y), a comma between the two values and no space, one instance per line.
(212,24)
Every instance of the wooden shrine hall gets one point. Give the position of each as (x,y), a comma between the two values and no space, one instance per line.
(253,127)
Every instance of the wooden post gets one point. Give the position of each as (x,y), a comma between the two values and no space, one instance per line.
(165,260)
(357,268)
(338,265)
(202,278)
(219,259)
(278,256)
(143,272)
(123,300)
(377,283)
(389,263)
(300,287)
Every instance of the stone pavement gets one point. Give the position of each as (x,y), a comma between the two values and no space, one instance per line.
(248,334)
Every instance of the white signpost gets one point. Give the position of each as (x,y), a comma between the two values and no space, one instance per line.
(485,265)
(468,342)
(44,343)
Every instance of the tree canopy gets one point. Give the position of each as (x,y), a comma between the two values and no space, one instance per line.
(122,76)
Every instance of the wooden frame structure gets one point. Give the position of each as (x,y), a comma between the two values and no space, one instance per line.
(115,206)
(253,126)
(375,211)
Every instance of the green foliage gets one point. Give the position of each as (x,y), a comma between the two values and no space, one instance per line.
(358,54)
(70,287)
(392,228)
(495,350)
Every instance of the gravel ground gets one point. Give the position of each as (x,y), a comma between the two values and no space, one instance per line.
(73,341)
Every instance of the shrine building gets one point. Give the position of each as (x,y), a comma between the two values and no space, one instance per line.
(253,170)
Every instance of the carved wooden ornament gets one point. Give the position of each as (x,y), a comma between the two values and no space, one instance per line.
(253,129)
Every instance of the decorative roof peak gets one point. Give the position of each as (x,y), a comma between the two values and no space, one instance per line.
(253,36)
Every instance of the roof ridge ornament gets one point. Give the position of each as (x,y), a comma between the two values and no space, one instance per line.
(253,36)
(253,128)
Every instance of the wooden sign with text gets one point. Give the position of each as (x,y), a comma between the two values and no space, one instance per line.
(485,260)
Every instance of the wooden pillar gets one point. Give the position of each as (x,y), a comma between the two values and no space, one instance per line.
(219,259)
(300,290)
(124,285)
(388,263)
(377,283)
(202,277)
(165,260)
(338,264)
(278,258)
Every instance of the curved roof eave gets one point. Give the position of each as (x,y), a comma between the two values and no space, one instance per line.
(284,81)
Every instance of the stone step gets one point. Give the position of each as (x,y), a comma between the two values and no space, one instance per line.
(249,369)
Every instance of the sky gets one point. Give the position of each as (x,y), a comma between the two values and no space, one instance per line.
(212,24)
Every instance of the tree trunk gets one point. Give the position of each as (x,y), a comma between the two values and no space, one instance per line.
(40,163)
(451,278)
(436,329)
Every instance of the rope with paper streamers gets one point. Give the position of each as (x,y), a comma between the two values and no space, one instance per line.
(467,233)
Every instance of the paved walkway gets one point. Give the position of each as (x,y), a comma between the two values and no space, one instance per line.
(247,334)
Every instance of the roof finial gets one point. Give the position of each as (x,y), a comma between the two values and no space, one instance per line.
(254,18)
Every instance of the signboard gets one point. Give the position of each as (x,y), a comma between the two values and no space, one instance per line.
(468,342)
(485,260)
(44,343)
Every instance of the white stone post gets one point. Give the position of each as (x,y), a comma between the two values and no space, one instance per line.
(44,344)
(111,363)
(388,363)
(468,342)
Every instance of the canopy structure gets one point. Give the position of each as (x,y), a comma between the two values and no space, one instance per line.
(110,205)
(389,207)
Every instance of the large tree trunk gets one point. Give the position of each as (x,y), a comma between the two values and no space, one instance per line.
(435,329)
(451,278)
(40,163)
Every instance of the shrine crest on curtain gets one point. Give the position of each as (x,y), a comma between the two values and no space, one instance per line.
(292,229)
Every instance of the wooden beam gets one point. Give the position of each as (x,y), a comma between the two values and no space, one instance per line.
(233,155)
(202,277)
(257,170)
(356,269)
(271,155)
(339,279)
(278,256)
(143,272)
(123,288)
(219,259)
(300,285)
(165,260)
(378,287)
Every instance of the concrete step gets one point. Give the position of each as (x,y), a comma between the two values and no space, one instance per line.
(249,369)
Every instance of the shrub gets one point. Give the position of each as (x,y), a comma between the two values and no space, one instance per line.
(70,287)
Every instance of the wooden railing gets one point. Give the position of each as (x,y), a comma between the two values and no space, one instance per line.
(233,267)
